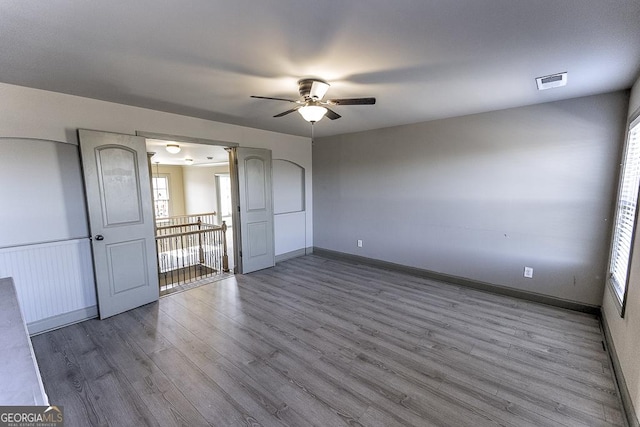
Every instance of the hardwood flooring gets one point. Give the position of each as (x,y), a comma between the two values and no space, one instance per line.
(320,342)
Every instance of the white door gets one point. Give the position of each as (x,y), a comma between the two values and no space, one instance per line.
(117,185)
(256,209)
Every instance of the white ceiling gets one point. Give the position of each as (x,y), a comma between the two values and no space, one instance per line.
(201,154)
(421,59)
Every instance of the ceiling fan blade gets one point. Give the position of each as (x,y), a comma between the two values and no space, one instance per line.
(352,101)
(284,113)
(332,115)
(275,99)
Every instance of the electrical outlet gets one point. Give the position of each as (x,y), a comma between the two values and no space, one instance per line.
(528,272)
(359,243)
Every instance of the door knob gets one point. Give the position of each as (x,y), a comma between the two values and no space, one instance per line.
(99,237)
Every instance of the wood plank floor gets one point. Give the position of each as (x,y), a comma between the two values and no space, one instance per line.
(327,343)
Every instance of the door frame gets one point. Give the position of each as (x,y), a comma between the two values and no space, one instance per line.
(235,209)
(233,174)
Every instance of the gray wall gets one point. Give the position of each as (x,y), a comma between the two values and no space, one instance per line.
(481,196)
(41,192)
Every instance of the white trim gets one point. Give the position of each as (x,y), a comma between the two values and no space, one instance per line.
(60,320)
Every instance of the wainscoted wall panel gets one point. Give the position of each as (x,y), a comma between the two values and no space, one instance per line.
(51,279)
(290,230)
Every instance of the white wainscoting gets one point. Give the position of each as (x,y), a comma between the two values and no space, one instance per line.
(54,282)
(290,232)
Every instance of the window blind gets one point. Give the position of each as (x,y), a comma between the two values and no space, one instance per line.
(625,212)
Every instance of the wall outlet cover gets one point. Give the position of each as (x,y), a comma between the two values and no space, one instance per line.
(528,272)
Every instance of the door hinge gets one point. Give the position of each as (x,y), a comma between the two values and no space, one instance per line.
(240,254)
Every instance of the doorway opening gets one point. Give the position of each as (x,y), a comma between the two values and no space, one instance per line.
(191,189)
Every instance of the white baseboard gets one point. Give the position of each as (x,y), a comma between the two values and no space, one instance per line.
(65,319)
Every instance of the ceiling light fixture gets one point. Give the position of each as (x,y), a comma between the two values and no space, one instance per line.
(312,112)
(188,161)
(173,148)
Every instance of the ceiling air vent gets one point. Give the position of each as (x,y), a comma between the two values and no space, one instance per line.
(554,80)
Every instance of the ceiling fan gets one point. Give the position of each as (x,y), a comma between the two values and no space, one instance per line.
(311,105)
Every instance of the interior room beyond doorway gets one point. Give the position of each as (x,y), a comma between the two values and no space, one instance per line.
(194,233)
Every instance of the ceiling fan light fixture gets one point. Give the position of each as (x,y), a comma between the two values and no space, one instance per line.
(173,148)
(310,104)
(312,113)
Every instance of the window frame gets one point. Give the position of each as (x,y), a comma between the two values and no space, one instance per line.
(167,177)
(621,301)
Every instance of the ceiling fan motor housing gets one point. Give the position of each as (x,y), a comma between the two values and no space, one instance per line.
(312,88)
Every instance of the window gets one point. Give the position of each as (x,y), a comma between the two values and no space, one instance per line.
(161,195)
(223,182)
(625,218)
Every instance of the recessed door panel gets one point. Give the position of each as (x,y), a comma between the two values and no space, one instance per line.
(119,185)
(255,183)
(127,263)
(257,237)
